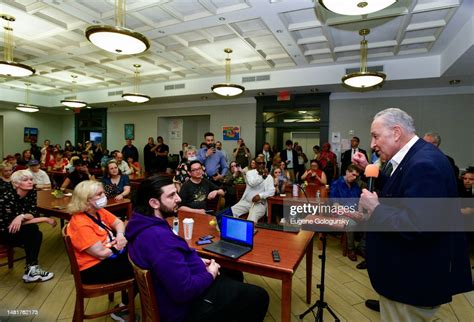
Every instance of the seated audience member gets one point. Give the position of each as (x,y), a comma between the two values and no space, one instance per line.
(105,159)
(70,167)
(58,163)
(122,165)
(98,239)
(86,159)
(232,177)
(285,173)
(134,166)
(25,158)
(187,287)
(315,178)
(6,171)
(18,223)
(11,160)
(346,192)
(259,188)
(80,173)
(68,146)
(279,181)
(252,165)
(197,190)
(181,175)
(116,185)
(40,177)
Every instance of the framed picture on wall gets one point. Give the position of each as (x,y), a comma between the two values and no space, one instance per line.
(30,133)
(129,130)
(231,133)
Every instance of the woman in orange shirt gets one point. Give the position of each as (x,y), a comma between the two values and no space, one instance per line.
(98,238)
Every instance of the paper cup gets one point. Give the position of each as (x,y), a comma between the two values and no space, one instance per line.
(188,228)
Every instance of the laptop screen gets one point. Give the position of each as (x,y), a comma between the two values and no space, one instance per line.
(237,230)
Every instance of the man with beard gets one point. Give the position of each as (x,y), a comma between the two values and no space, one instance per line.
(187,287)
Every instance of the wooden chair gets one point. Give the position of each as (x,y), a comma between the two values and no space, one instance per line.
(84,291)
(8,252)
(148,302)
(214,204)
(239,191)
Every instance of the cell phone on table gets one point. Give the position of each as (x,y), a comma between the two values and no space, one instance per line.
(206,237)
(204,242)
(209,211)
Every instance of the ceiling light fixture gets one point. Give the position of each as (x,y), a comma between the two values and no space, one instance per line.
(9,67)
(136,97)
(227,89)
(73,102)
(27,107)
(363,79)
(117,39)
(355,7)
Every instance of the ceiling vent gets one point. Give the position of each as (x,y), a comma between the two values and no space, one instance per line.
(260,78)
(369,69)
(115,93)
(174,86)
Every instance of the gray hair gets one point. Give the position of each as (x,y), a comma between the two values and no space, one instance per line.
(435,136)
(190,148)
(395,116)
(21,175)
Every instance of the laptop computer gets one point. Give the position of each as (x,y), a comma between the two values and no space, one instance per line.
(236,238)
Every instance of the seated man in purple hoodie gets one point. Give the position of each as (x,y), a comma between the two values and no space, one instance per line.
(187,287)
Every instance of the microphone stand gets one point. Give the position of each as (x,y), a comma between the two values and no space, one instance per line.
(320,304)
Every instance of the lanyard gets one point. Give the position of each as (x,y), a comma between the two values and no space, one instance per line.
(99,222)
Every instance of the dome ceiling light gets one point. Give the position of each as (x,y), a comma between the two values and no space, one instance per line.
(73,102)
(355,7)
(136,97)
(27,108)
(227,89)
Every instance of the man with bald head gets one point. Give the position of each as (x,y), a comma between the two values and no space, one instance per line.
(413,270)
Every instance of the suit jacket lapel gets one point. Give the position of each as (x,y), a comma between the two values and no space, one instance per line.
(400,169)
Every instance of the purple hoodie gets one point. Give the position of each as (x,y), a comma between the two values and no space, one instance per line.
(179,275)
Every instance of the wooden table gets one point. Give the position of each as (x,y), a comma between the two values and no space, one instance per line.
(288,199)
(49,205)
(292,247)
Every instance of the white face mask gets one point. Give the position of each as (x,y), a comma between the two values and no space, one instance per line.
(192,158)
(101,202)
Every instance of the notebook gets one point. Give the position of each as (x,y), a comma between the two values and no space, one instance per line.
(236,238)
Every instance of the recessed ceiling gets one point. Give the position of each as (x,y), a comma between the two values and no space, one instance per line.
(188,37)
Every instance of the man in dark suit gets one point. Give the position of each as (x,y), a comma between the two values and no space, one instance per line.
(290,157)
(267,155)
(346,157)
(413,270)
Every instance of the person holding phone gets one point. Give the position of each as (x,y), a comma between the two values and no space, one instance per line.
(242,154)
(213,160)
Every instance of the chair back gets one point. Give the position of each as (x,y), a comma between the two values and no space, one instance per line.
(213,204)
(148,302)
(239,191)
(72,259)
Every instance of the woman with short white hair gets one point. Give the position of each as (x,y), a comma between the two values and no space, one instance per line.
(18,223)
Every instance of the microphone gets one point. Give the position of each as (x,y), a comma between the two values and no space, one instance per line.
(371,172)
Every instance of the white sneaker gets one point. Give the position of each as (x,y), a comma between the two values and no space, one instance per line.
(34,273)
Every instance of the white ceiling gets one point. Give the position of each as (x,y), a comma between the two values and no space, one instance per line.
(188,38)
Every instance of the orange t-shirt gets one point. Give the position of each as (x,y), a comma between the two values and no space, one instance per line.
(84,233)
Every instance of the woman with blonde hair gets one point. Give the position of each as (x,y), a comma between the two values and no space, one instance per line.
(98,238)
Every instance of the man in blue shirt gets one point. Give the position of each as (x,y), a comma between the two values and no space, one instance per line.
(345,191)
(213,159)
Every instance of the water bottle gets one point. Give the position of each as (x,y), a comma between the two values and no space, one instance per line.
(295,190)
(318,197)
(176,225)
